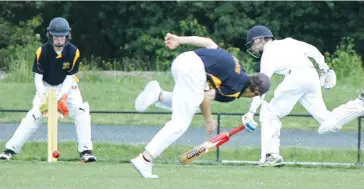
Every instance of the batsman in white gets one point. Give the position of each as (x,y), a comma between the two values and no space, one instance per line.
(302,83)
(55,66)
(200,76)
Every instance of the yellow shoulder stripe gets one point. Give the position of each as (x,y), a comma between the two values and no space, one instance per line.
(235,95)
(38,53)
(216,81)
(76,78)
(77,56)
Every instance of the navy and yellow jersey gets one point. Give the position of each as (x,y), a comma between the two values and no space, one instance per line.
(224,73)
(54,67)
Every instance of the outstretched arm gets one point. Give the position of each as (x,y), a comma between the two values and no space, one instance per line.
(328,76)
(268,59)
(256,102)
(205,106)
(313,52)
(173,41)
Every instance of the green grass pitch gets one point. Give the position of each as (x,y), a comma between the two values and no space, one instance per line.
(74,175)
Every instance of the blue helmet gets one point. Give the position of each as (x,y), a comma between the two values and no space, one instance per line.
(58,27)
(257,32)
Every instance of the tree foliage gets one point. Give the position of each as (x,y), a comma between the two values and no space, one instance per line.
(125,32)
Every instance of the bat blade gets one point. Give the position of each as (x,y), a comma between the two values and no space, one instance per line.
(204,148)
(210,145)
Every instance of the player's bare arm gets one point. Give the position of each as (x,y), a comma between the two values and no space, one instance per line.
(173,41)
(205,106)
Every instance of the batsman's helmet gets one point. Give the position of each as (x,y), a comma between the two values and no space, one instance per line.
(58,27)
(265,83)
(257,32)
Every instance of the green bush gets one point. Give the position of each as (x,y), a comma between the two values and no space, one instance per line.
(152,55)
(18,57)
(346,62)
(18,44)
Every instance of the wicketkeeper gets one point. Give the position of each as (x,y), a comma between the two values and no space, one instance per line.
(200,76)
(55,66)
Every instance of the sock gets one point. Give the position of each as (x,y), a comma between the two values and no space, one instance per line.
(147,158)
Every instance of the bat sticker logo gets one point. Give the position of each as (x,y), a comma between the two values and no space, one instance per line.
(195,153)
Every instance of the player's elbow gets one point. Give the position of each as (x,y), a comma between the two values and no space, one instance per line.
(210,95)
(210,43)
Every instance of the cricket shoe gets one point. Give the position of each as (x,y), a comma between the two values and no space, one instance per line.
(148,96)
(6,154)
(272,161)
(143,167)
(86,156)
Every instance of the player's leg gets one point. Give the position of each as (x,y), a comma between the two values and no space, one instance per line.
(151,94)
(79,111)
(154,94)
(343,114)
(28,125)
(165,101)
(285,97)
(314,103)
(188,92)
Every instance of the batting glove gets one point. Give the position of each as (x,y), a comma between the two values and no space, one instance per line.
(328,78)
(248,121)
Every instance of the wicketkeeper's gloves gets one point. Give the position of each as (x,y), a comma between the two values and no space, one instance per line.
(248,121)
(62,106)
(328,78)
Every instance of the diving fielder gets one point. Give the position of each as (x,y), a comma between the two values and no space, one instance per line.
(55,66)
(200,76)
(302,83)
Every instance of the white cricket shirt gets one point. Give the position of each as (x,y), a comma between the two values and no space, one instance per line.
(281,56)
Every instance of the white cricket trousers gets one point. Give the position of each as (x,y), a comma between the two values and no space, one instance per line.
(342,115)
(301,85)
(78,111)
(188,92)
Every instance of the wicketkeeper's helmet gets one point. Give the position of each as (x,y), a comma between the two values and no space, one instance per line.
(58,27)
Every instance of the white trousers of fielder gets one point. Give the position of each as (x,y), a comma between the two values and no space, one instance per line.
(301,85)
(79,111)
(188,92)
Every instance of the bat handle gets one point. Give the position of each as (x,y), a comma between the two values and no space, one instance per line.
(236,130)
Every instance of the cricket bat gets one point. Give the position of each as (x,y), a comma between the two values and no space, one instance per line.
(212,144)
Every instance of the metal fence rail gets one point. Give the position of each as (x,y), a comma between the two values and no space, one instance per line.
(136,128)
